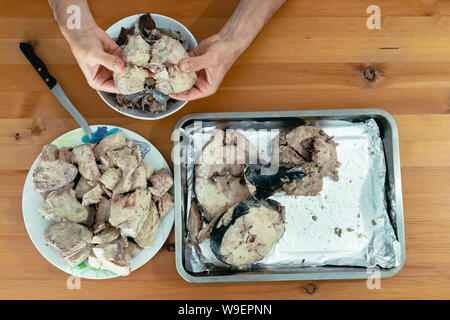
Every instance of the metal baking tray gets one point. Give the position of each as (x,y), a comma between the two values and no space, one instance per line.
(389,136)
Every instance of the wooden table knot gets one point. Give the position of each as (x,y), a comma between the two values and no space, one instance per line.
(369,73)
(310,288)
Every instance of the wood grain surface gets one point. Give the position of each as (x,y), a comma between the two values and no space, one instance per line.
(310,56)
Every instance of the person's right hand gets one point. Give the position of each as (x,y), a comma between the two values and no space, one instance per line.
(98,57)
(211,60)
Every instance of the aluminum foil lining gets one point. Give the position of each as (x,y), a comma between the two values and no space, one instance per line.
(347,224)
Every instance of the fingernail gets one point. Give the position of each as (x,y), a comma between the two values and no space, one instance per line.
(185,66)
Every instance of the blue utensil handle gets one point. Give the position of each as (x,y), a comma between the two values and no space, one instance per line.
(27,50)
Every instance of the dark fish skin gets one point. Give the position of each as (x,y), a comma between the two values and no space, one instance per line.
(263,186)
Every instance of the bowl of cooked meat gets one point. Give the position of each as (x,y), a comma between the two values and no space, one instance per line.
(99,208)
(152,46)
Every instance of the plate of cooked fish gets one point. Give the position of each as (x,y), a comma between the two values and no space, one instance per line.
(99,208)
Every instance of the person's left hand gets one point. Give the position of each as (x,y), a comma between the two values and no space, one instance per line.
(212,59)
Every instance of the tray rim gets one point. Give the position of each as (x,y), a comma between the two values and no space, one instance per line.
(253,277)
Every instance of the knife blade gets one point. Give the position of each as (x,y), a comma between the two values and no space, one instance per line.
(53,85)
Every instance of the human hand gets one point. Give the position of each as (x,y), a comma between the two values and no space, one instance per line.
(211,60)
(98,57)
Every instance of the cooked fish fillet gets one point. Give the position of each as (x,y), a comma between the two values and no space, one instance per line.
(247,232)
(53,175)
(50,152)
(65,154)
(137,51)
(106,235)
(102,215)
(165,203)
(103,264)
(139,177)
(220,185)
(111,177)
(149,229)
(62,205)
(84,186)
(79,257)
(67,237)
(129,212)
(93,196)
(114,141)
(161,182)
(83,155)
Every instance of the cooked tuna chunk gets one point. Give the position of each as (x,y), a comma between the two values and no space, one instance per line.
(62,205)
(148,169)
(161,182)
(136,150)
(106,235)
(139,177)
(102,216)
(149,229)
(65,154)
(114,256)
(137,51)
(89,222)
(84,186)
(93,196)
(127,164)
(129,212)
(79,257)
(111,177)
(53,175)
(49,153)
(67,238)
(165,203)
(219,184)
(103,264)
(114,141)
(131,250)
(83,155)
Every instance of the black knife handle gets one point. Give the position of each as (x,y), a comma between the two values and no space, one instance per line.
(37,63)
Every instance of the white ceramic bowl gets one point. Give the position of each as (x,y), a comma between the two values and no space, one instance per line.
(161,22)
(36,225)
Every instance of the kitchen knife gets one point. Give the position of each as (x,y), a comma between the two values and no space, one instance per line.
(27,50)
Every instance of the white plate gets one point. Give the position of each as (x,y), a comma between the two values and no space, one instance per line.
(161,22)
(36,225)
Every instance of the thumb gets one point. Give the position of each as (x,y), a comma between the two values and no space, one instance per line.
(198,63)
(110,61)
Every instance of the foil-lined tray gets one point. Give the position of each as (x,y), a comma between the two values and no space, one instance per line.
(353,224)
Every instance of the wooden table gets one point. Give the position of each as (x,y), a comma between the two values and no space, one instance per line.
(310,56)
